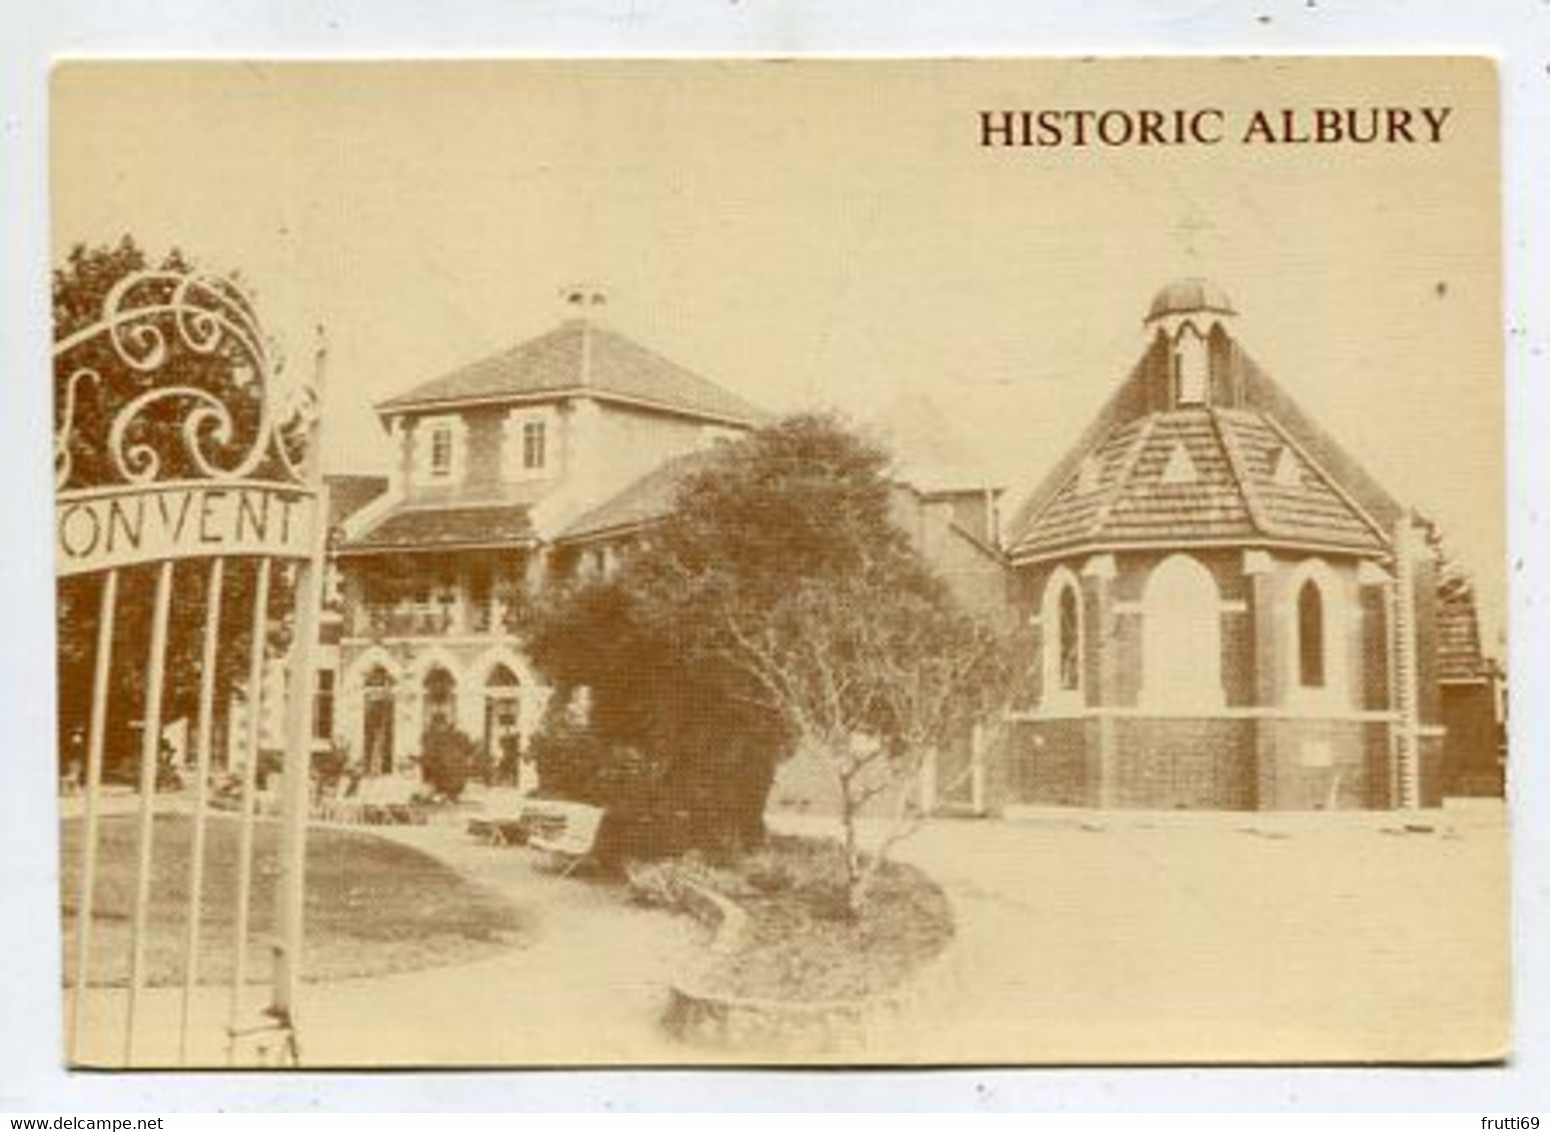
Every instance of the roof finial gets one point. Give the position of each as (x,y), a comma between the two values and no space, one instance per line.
(1192,226)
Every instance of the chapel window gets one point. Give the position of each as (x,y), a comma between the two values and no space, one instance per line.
(1061,618)
(1070,641)
(1311,668)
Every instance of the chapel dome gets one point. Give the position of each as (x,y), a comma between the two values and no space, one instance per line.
(1189,296)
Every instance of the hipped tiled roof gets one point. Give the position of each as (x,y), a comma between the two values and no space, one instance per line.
(580,357)
(445,529)
(348,493)
(647,500)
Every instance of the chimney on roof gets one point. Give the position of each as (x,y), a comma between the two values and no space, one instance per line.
(583,298)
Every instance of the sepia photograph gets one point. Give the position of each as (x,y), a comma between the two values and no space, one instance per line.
(803,562)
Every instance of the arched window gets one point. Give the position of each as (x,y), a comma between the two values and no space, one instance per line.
(1318,620)
(1192,367)
(377,711)
(1070,641)
(502,677)
(1311,667)
(440,698)
(1061,617)
(503,723)
(1181,636)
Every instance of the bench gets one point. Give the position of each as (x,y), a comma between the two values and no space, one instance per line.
(385,800)
(565,831)
(502,825)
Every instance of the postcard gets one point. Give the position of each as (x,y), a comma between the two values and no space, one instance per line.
(780,562)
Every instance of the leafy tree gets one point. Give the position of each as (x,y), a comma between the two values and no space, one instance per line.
(670,743)
(92,387)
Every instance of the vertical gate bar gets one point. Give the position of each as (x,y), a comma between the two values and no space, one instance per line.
(297,781)
(196,861)
(106,611)
(298,729)
(150,758)
(244,885)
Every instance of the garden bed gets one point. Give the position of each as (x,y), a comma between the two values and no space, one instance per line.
(796,944)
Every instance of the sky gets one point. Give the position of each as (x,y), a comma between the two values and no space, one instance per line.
(833,235)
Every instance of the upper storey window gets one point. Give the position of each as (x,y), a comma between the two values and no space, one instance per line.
(441,452)
(533,446)
(530,444)
(438,450)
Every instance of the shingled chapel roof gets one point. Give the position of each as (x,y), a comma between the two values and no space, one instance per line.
(1245,464)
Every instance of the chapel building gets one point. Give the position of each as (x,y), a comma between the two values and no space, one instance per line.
(1226,611)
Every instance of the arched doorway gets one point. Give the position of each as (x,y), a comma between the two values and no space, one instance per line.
(502,724)
(1181,637)
(377,713)
(440,699)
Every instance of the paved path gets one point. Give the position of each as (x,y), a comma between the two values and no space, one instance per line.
(587,986)
(1093,937)
(1082,938)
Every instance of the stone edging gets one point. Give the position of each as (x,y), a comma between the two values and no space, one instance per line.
(728,1023)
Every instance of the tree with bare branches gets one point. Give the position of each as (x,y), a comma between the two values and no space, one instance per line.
(873,673)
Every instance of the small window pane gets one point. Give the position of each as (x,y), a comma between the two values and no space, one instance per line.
(533,445)
(441,452)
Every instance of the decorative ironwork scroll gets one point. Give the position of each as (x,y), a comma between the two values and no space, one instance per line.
(135,395)
(174,435)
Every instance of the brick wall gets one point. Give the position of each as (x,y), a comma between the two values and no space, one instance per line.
(1433,766)
(1313,764)
(1471,752)
(1374,674)
(1187,764)
(1046,763)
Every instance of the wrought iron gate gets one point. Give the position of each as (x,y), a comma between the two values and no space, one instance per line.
(184,467)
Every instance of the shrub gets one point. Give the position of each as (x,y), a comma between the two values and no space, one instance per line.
(809,868)
(646,818)
(449,759)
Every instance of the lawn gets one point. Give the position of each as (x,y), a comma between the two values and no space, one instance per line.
(372,905)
